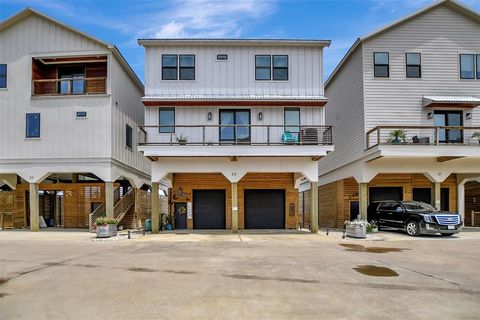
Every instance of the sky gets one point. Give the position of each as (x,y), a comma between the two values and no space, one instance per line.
(122,22)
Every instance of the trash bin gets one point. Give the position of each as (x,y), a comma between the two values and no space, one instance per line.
(148,224)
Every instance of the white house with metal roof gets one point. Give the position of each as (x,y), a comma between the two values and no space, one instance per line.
(69,109)
(404,105)
(234,125)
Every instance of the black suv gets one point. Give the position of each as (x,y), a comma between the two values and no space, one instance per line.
(414,217)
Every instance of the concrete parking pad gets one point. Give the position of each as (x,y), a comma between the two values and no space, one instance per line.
(253,275)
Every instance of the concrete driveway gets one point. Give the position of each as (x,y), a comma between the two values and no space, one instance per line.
(290,275)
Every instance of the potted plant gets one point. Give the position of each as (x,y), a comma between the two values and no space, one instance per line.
(476,136)
(356,228)
(106,227)
(181,139)
(398,136)
(169,225)
(372,227)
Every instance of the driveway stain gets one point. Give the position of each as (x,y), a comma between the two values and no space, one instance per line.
(136,269)
(375,271)
(251,277)
(179,271)
(3,281)
(86,265)
(3,295)
(360,248)
(53,264)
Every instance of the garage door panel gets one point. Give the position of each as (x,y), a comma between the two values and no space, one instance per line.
(385,193)
(265,209)
(209,209)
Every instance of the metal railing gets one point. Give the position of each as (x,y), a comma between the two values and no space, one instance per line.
(422,135)
(215,135)
(71,86)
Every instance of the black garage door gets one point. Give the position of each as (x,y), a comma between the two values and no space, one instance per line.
(386,193)
(209,209)
(264,209)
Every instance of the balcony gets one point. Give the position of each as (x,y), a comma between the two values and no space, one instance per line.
(235,140)
(69,76)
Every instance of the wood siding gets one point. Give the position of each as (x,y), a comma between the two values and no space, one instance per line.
(184,184)
(472,203)
(237,75)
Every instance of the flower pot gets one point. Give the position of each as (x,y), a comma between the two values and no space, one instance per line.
(106,231)
(373,230)
(356,232)
(182,142)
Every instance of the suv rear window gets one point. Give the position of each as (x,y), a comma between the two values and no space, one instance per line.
(387,206)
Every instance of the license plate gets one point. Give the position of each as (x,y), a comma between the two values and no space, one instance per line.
(451,227)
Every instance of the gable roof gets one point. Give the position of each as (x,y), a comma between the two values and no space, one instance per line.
(25,13)
(453,4)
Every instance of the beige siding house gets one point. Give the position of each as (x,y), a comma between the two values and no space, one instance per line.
(404,104)
(65,150)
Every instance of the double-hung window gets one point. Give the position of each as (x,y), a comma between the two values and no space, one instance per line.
(381,61)
(467,66)
(72,80)
(32,128)
(166,120)
(271,67)
(292,120)
(413,65)
(3,75)
(178,67)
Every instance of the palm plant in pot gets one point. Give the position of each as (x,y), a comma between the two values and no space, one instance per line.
(106,227)
(181,139)
(398,136)
(476,136)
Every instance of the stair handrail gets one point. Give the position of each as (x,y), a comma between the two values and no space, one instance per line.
(125,203)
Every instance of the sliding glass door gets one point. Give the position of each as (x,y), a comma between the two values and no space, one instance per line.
(449,119)
(235,134)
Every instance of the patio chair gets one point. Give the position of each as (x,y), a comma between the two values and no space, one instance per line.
(289,137)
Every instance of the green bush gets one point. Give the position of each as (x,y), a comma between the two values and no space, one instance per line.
(104,220)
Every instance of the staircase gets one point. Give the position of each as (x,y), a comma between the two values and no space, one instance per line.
(121,208)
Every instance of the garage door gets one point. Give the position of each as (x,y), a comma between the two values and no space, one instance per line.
(209,209)
(386,193)
(264,209)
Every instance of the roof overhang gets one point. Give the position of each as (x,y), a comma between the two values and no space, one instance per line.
(450,102)
(272,101)
(234,42)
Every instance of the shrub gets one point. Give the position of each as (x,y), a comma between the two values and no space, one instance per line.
(104,220)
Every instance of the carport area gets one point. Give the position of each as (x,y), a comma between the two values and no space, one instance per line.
(249,275)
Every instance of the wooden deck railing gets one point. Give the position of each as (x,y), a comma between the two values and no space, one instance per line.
(215,135)
(76,86)
(422,135)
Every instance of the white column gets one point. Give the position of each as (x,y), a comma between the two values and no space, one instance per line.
(363,200)
(234,207)
(154,208)
(314,207)
(436,201)
(461,200)
(34,207)
(109,205)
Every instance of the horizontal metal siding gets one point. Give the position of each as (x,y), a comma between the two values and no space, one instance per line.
(345,112)
(440,35)
(237,75)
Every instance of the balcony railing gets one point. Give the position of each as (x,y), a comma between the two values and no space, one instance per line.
(423,135)
(72,86)
(220,135)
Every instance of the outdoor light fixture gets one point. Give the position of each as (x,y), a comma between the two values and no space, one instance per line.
(260,116)
(469,116)
(430,116)
(209,116)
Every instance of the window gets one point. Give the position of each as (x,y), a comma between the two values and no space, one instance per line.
(166,120)
(222,57)
(81,114)
(414,65)
(169,67)
(381,64)
(3,75)
(262,67)
(467,66)
(32,125)
(72,80)
(180,67)
(128,136)
(235,126)
(292,118)
(478,66)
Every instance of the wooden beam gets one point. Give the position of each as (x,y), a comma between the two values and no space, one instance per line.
(154,159)
(445,159)
(316,158)
(233,158)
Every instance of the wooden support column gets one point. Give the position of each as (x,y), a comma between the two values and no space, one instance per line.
(436,194)
(34,207)
(363,200)
(461,200)
(154,208)
(314,207)
(109,199)
(234,207)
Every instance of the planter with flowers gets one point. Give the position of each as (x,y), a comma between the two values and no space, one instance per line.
(356,228)
(106,227)
(372,227)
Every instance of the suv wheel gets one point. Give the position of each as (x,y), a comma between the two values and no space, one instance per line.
(413,228)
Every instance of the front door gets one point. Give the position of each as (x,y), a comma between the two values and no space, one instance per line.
(444,199)
(449,119)
(235,126)
(181,215)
